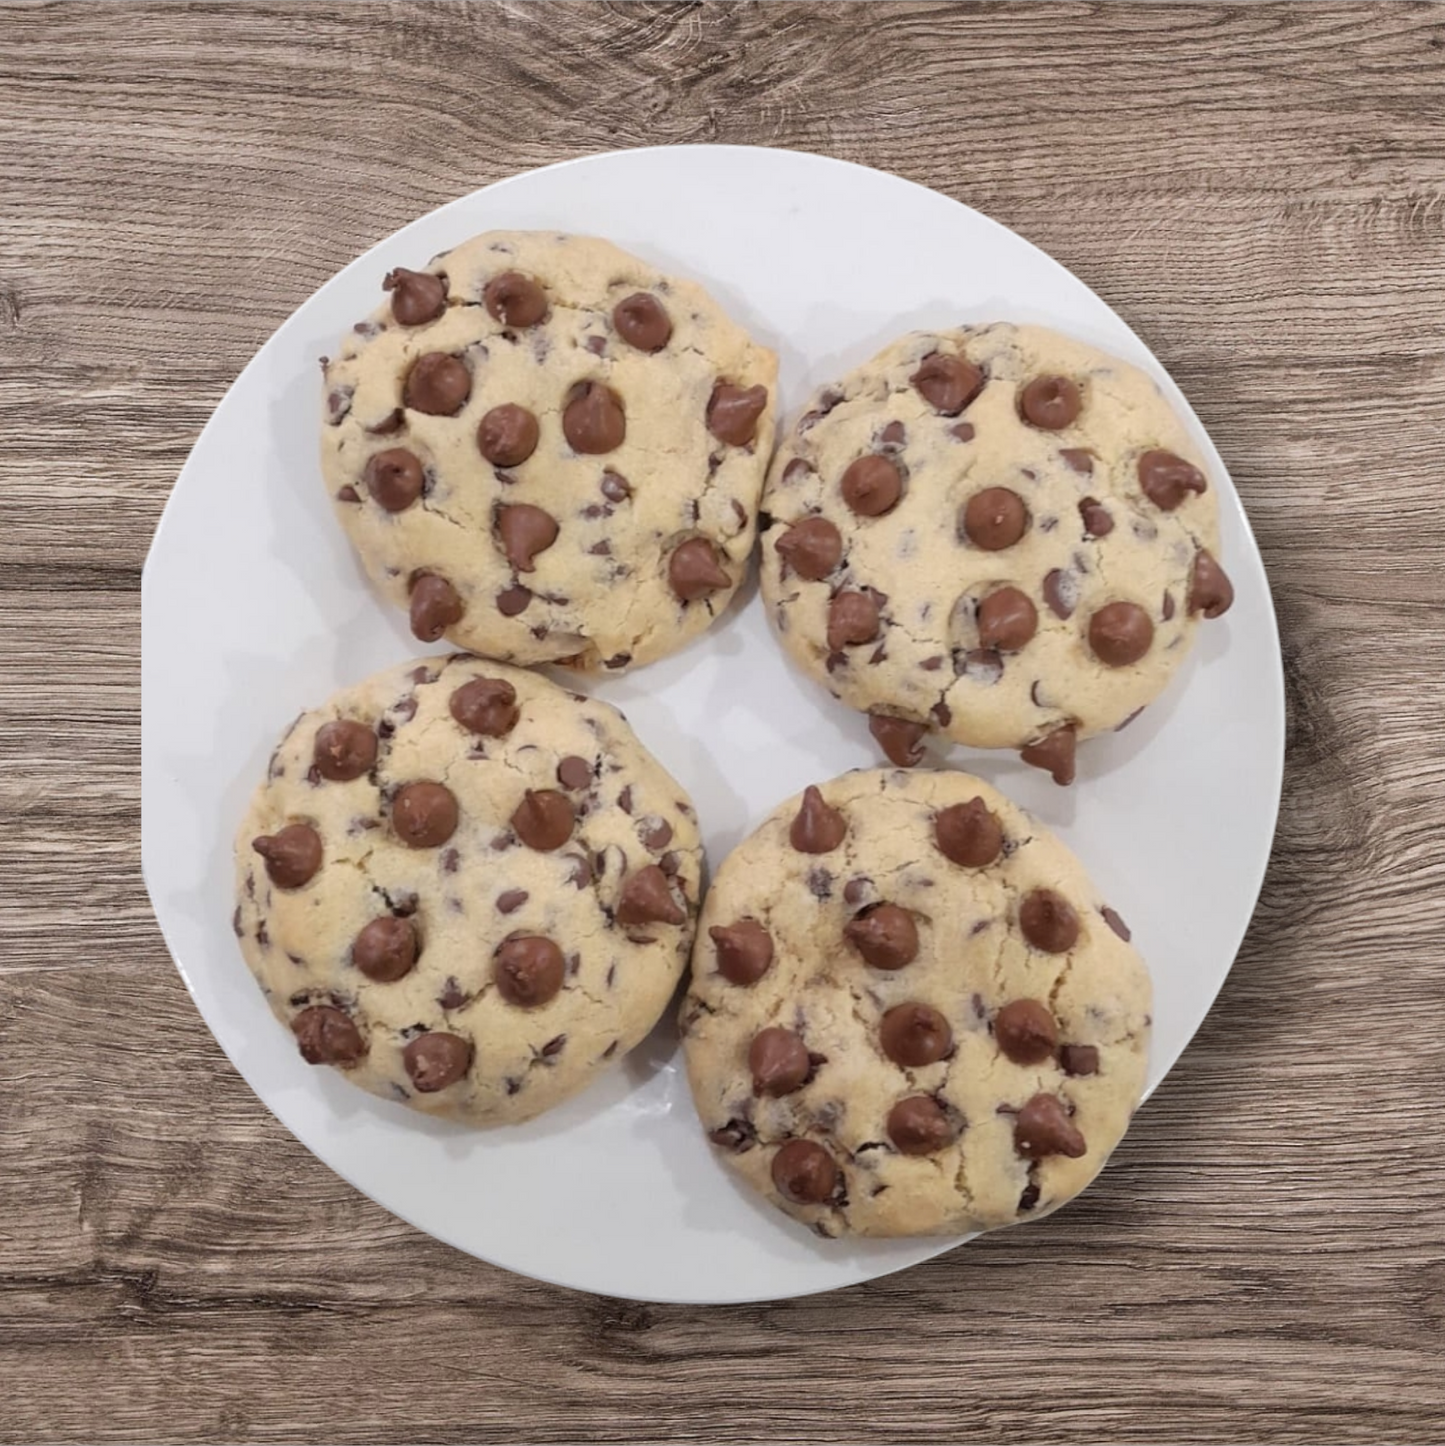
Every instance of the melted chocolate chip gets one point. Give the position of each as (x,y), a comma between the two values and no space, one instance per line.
(995,518)
(328,1036)
(348,494)
(744,951)
(693,570)
(895,434)
(735,1136)
(508,435)
(1096,518)
(642,321)
(804,1173)
(1054,753)
(486,706)
(1079,1059)
(1080,459)
(394,479)
(435,606)
(1043,1127)
(1166,480)
(511,900)
(1007,619)
(417,297)
(1116,923)
(779,1062)
(1210,591)
(292,854)
(884,935)
(386,949)
(817,828)
(424,815)
(528,970)
(574,772)
(901,739)
(647,898)
(1025,1031)
(915,1035)
(525,531)
(918,1125)
(968,834)
(1048,921)
(655,834)
(544,819)
(964,431)
(733,412)
(513,600)
(614,487)
(947,383)
(344,750)
(438,384)
(1120,633)
(811,547)
(852,619)
(872,486)
(514,299)
(1051,403)
(436,1060)
(1060,592)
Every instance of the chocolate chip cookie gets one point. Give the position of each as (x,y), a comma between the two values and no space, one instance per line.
(549,451)
(465,888)
(997,533)
(910,1011)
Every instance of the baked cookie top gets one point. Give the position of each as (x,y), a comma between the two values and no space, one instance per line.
(910,1012)
(995,532)
(549,451)
(466,888)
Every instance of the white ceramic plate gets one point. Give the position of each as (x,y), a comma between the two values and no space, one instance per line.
(254,608)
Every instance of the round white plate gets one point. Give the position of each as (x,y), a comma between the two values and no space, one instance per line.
(254,608)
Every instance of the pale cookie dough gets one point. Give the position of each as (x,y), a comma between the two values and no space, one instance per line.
(466,888)
(910,1011)
(995,532)
(549,451)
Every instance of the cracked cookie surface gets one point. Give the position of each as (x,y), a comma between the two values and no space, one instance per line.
(995,532)
(547,450)
(910,1012)
(466,888)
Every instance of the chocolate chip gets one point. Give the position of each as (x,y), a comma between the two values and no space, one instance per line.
(693,570)
(901,739)
(338,402)
(1060,592)
(779,1062)
(1166,479)
(980,665)
(391,423)
(817,829)
(872,486)
(574,772)
(852,618)
(624,799)
(804,1173)
(647,898)
(798,468)
(1081,459)
(733,412)
(385,950)
(811,547)
(1048,921)
(348,494)
(513,600)
(1167,610)
(642,321)
(968,834)
(655,833)
(507,435)
(915,1035)
(1210,591)
(918,1125)
(1096,518)
(436,1060)
(964,431)
(292,854)
(544,819)
(948,383)
(1025,1031)
(1054,753)
(1043,1127)
(424,815)
(1050,402)
(1120,634)
(417,297)
(857,889)
(511,900)
(438,384)
(394,479)
(528,970)
(486,706)
(594,420)
(344,750)
(614,487)
(995,518)
(1028,1198)
(820,883)
(1116,923)
(525,531)
(1007,619)
(435,606)
(735,1136)
(1079,1059)
(514,299)
(884,935)
(744,951)
(328,1036)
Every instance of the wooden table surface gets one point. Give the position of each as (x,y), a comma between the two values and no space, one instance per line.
(1258,189)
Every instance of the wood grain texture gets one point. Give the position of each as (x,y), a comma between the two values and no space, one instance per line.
(1260,189)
